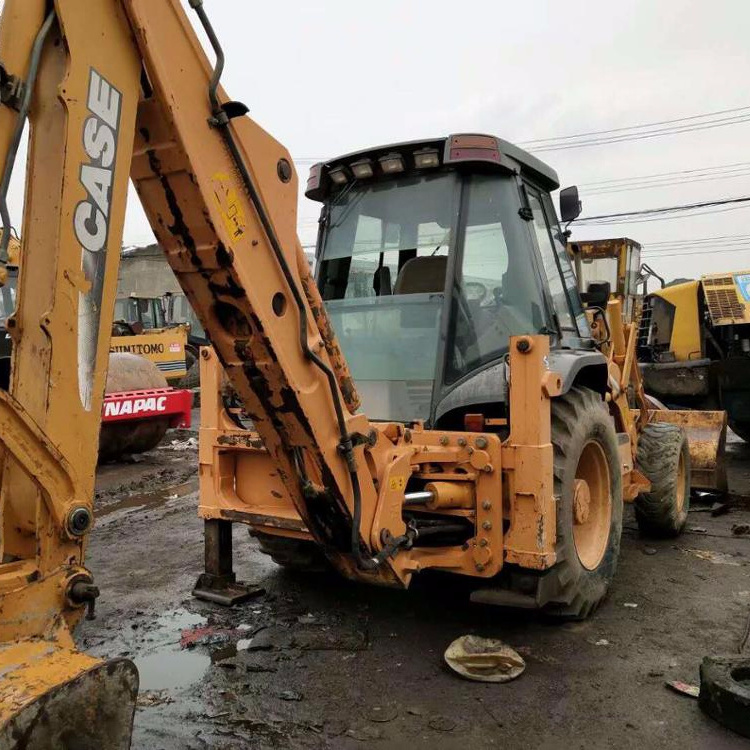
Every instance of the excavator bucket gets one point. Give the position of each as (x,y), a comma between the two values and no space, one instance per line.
(707,434)
(56,697)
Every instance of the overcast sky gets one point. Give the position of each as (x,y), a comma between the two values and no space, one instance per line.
(333,76)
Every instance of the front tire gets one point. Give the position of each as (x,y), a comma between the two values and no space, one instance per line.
(588,485)
(664,458)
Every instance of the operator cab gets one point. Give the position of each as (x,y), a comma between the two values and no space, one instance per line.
(431,254)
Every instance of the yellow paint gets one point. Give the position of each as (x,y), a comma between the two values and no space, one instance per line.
(686,333)
(229,204)
(397,483)
(165,347)
(727,297)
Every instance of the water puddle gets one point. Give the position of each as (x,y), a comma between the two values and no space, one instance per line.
(169,667)
(166,665)
(149,500)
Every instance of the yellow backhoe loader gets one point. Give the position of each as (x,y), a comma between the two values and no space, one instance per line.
(505,435)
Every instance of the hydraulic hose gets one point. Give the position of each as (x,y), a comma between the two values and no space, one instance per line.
(221,121)
(23,112)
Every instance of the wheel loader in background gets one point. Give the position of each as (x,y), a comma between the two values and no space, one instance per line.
(507,435)
(617,263)
(694,345)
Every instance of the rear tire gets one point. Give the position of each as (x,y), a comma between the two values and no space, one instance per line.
(588,486)
(664,458)
(300,555)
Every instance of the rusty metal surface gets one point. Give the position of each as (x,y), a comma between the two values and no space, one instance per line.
(706,432)
(725,304)
(59,698)
(677,379)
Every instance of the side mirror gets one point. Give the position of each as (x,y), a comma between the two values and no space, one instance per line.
(570,205)
(597,294)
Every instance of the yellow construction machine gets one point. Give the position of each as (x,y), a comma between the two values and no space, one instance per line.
(615,261)
(694,345)
(139,404)
(143,333)
(505,435)
(617,264)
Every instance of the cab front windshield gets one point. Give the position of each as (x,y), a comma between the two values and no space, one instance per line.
(385,275)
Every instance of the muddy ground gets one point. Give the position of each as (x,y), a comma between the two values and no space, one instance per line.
(317,662)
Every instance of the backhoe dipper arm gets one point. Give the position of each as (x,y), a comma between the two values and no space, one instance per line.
(221,196)
(120,88)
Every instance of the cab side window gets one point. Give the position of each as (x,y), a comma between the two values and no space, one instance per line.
(554,270)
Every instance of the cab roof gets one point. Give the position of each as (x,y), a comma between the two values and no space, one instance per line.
(472,151)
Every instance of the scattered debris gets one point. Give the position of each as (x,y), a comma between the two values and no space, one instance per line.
(290,695)
(441,723)
(259,668)
(181,445)
(741,529)
(307,619)
(715,509)
(219,715)
(602,642)
(261,642)
(382,714)
(724,691)
(484,659)
(364,733)
(649,550)
(205,636)
(697,530)
(684,688)
(324,640)
(153,698)
(630,605)
(718,558)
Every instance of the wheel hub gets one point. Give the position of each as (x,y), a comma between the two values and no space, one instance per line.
(581,501)
(592,505)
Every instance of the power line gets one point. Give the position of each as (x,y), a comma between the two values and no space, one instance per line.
(658,213)
(665,218)
(697,171)
(688,254)
(696,240)
(628,188)
(706,249)
(643,135)
(642,125)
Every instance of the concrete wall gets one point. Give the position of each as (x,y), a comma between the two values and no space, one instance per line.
(145,272)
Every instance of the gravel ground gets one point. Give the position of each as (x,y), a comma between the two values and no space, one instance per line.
(317,662)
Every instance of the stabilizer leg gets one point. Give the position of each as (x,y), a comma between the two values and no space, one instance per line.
(218,583)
